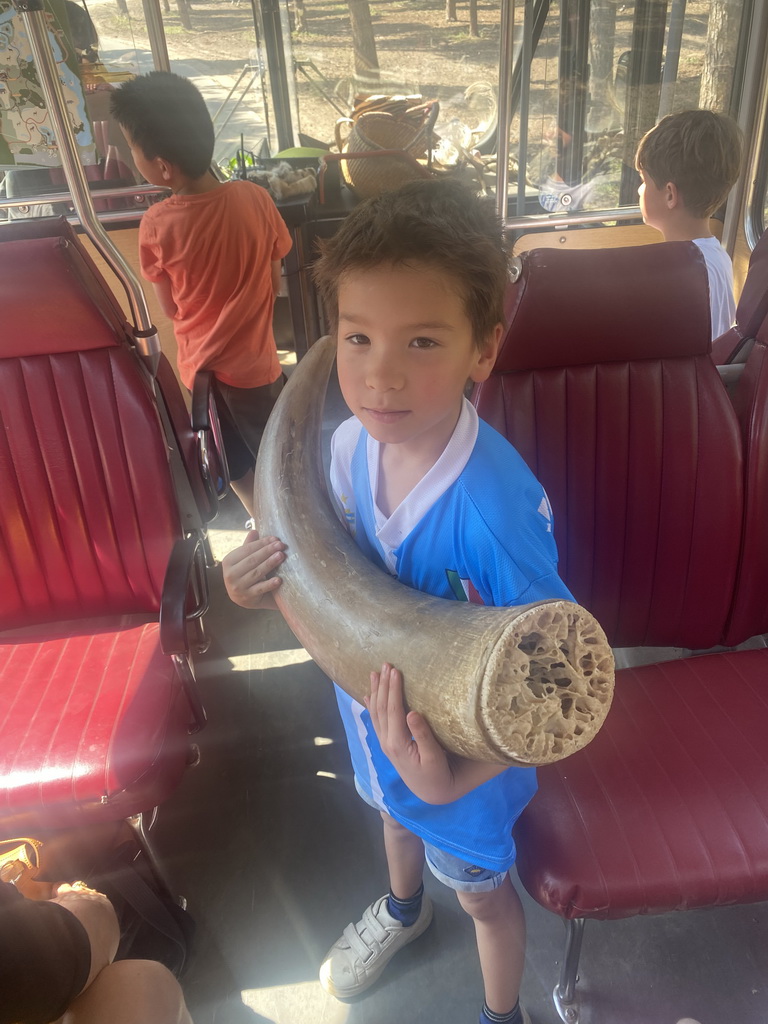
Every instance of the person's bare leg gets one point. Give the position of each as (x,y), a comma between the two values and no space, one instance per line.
(405,858)
(500,930)
(97,916)
(131,992)
(243,488)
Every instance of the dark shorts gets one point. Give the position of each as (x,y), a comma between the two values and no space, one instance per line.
(243,414)
(45,958)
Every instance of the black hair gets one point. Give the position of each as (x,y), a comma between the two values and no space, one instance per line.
(438,223)
(165,115)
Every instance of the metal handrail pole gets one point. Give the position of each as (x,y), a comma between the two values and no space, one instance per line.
(110,217)
(156,33)
(535,222)
(525,106)
(672,57)
(570,219)
(145,332)
(752,118)
(103,193)
(504,116)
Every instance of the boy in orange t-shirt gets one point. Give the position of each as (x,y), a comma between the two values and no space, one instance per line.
(212,250)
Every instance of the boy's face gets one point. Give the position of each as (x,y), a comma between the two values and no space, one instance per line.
(653,202)
(405,353)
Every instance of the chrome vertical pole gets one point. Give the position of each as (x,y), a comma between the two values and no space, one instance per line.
(156,34)
(525,104)
(145,332)
(753,119)
(505,105)
(672,57)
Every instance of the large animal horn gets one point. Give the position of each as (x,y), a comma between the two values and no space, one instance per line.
(523,685)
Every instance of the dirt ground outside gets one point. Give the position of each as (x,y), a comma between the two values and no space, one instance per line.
(418,51)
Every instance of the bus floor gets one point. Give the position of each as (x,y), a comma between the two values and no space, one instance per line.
(275,853)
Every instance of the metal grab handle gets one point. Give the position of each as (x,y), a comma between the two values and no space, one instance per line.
(145,331)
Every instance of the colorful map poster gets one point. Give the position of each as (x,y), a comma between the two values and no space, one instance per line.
(26,134)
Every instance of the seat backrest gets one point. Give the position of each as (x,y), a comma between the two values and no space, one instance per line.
(749,615)
(88,514)
(92,287)
(752,307)
(605,386)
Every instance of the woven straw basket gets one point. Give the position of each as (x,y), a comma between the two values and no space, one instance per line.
(377,131)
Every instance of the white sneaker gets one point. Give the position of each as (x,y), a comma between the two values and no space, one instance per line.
(355,962)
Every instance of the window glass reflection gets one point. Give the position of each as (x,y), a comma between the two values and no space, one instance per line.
(599,76)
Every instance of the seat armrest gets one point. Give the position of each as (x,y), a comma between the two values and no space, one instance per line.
(184,579)
(211,455)
(201,400)
(210,445)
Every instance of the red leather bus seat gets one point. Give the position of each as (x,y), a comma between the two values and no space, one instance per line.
(667,808)
(605,384)
(749,614)
(92,299)
(97,697)
(751,310)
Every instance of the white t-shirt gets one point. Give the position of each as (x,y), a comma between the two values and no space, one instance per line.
(720,270)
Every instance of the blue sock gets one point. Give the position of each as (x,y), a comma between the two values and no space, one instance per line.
(515,1016)
(405,911)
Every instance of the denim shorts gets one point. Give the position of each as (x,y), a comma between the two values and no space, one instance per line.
(447,868)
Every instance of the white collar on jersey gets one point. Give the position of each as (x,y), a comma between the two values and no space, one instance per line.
(448,468)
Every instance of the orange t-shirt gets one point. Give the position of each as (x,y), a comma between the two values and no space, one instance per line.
(217,248)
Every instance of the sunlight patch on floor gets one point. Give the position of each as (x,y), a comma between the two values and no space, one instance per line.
(269,659)
(303,1001)
(224,541)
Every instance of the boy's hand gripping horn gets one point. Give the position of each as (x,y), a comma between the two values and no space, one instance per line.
(522,685)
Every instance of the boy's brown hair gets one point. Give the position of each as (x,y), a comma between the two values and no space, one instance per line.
(699,151)
(440,224)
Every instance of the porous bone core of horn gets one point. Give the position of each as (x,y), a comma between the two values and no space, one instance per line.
(522,685)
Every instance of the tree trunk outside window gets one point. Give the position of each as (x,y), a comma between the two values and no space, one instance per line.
(720,54)
(363,40)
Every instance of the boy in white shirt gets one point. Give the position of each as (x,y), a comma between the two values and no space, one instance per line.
(689,163)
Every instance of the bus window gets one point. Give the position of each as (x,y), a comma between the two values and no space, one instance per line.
(592,76)
(214,45)
(757,211)
(402,51)
(90,67)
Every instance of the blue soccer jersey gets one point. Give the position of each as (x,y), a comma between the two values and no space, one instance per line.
(477,527)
